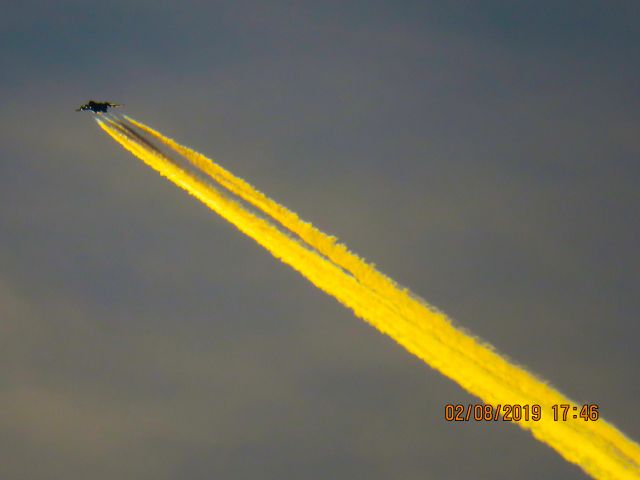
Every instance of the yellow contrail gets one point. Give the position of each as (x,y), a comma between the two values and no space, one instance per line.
(599,448)
(364,272)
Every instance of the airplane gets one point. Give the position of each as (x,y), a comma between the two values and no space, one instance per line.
(97,107)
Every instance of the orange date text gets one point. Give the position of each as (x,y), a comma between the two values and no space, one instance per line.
(479,412)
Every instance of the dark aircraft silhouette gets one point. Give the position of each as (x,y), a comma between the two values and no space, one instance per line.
(97,107)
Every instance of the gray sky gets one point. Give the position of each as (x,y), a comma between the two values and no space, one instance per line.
(484,156)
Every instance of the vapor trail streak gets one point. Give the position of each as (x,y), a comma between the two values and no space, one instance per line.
(366,274)
(599,448)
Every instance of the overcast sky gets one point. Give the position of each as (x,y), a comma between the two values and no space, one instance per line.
(487,157)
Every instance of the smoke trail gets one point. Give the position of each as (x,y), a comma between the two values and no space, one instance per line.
(596,446)
(365,273)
